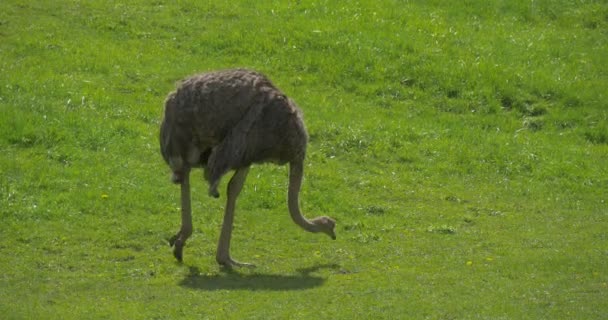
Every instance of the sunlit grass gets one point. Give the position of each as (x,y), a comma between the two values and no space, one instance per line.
(462,149)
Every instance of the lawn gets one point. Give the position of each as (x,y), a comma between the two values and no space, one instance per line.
(461,147)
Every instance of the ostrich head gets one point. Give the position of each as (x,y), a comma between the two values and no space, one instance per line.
(325,225)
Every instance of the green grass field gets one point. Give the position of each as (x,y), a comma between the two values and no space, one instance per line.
(462,148)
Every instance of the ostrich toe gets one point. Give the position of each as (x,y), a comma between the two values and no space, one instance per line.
(231,263)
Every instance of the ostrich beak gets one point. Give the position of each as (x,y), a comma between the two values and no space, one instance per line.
(331,234)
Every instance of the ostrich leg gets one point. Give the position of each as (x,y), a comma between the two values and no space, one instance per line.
(223,247)
(179,239)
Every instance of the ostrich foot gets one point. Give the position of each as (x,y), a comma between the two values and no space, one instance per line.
(230,263)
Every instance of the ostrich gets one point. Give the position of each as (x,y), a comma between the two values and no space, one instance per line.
(227,120)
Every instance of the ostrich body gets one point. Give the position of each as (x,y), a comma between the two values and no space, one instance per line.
(227,120)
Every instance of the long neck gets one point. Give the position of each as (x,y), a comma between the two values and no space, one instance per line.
(296,172)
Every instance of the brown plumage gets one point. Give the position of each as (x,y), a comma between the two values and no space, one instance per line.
(227,120)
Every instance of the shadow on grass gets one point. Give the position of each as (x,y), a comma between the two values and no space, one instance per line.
(233,280)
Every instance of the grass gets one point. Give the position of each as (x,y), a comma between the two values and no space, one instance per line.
(462,148)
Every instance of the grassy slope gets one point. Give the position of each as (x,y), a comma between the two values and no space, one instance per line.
(462,149)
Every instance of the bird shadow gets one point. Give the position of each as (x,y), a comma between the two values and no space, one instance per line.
(231,279)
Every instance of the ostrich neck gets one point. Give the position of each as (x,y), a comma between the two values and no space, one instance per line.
(295,182)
